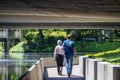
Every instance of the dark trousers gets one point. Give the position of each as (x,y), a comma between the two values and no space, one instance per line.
(59,61)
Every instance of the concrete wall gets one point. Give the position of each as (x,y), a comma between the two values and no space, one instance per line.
(114,72)
(82,65)
(49,62)
(42,67)
(102,71)
(32,73)
(93,69)
(36,72)
(87,69)
(39,70)
(25,77)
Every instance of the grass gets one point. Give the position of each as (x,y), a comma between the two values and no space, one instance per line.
(96,46)
(18,47)
(1,49)
(112,56)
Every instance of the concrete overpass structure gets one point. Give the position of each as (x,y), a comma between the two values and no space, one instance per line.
(59,14)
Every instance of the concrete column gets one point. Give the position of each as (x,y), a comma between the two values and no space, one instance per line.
(92,69)
(42,67)
(82,64)
(113,72)
(87,69)
(102,71)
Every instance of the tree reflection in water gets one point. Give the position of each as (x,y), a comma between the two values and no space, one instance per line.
(13,69)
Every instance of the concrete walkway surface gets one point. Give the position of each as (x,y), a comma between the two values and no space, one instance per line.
(51,74)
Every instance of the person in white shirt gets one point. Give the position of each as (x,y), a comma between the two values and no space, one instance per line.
(59,56)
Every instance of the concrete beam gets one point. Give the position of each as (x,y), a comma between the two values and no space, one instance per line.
(84,25)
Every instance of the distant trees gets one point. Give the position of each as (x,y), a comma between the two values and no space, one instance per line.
(117,32)
(42,38)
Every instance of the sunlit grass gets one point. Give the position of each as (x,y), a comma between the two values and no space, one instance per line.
(20,49)
(112,56)
(96,46)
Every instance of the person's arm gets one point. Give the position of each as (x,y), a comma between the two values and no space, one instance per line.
(54,54)
(74,49)
(75,53)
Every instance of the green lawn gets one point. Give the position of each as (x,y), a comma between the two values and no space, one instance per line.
(17,49)
(112,56)
(96,46)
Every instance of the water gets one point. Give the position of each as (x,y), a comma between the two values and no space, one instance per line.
(14,65)
(13,69)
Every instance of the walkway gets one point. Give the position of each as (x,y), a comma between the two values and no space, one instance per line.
(51,74)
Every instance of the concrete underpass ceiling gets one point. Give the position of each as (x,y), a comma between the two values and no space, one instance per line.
(39,12)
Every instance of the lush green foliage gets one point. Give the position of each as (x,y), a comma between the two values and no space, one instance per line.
(117,32)
(35,43)
(54,33)
(114,37)
(112,56)
(96,46)
(80,46)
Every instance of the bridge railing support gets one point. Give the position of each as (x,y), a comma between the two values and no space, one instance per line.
(93,69)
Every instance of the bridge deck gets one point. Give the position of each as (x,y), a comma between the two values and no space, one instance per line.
(51,74)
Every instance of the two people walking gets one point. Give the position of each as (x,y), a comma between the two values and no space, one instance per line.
(67,51)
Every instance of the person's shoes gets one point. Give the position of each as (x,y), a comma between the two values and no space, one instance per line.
(68,75)
(60,73)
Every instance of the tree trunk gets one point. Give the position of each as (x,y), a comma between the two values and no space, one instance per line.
(41,38)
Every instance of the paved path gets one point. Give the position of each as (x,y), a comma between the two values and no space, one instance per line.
(51,74)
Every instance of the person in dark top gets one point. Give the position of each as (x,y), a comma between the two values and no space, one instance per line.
(70,52)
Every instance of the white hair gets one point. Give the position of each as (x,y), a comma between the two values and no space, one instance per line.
(59,42)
